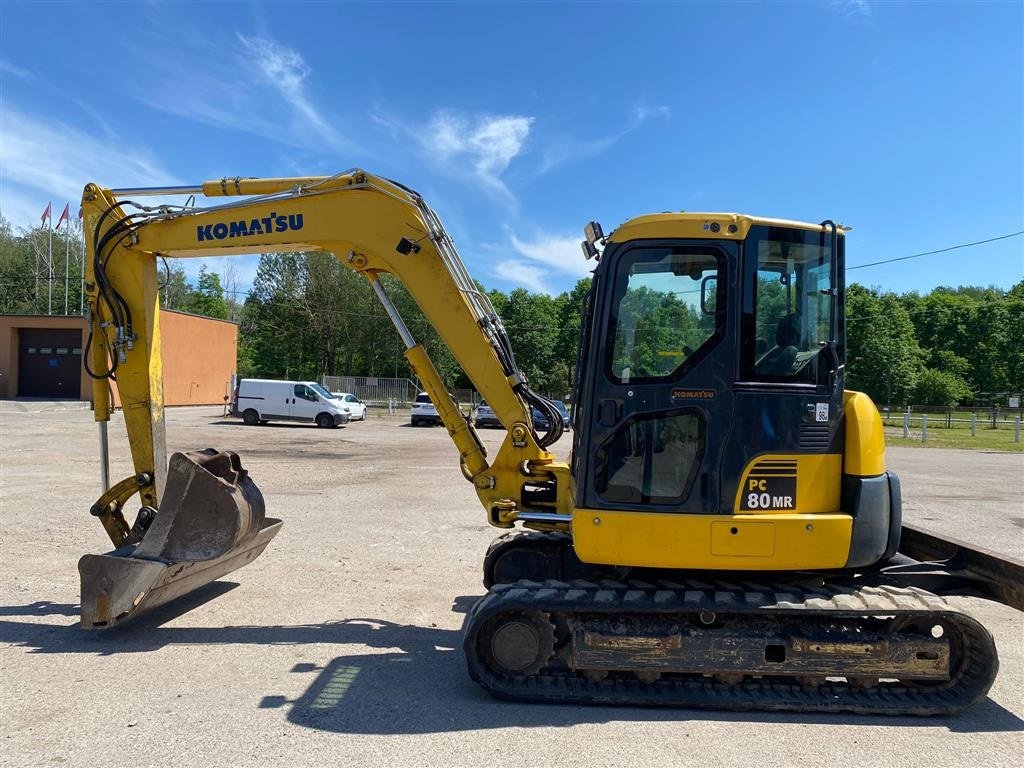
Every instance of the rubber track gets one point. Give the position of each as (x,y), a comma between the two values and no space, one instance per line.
(969,684)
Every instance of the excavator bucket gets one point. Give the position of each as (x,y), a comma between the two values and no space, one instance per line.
(210,522)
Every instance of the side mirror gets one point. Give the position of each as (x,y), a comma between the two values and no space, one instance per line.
(708,292)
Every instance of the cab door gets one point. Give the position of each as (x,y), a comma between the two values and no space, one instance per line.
(659,378)
(789,387)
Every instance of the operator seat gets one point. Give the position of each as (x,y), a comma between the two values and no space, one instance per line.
(779,360)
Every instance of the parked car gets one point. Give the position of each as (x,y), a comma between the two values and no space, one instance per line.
(540,421)
(565,414)
(258,401)
(424,411)
(485,417)
(356,406)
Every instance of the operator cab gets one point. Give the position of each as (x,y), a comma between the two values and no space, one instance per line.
(710,340)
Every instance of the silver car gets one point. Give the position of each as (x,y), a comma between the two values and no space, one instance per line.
(424,411)
(485,417)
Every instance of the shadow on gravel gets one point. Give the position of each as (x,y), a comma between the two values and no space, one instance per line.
(420,685)
(40,608)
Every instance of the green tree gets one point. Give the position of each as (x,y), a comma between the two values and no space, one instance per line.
(940,388)
(175,292)
(531,320)
(207,299)
(883,356)
(272,327)
(17,273)
(26,283)
(1013,340)
(571,306)
(969,324)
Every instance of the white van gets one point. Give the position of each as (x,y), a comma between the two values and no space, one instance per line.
(258,401)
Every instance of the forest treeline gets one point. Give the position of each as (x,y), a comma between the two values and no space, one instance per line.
(307,316)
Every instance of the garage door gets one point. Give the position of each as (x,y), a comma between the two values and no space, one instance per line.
(49,363)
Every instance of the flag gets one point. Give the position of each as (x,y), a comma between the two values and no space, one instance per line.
(46,215)
(63,216)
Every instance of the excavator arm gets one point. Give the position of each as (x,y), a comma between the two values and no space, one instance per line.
(373,226)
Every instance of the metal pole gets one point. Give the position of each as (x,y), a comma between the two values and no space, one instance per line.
(888,388)
(104,458)
(181,190)
(400,326)
(1016,430)
(67,262)
(906,423)
(81,300)
(49,283)
(974,423)
(924,427)
(35,296)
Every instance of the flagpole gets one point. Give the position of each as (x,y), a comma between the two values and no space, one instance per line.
(49,284)
(67,257)
(35,296)
(81,296)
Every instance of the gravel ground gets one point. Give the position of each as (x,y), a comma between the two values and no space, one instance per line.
(341,645)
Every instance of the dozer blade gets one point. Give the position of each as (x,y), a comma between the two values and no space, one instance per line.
(210,522)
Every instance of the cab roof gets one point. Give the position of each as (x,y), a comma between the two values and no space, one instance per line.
(731,226)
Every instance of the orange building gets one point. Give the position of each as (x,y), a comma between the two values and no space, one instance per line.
(41,356)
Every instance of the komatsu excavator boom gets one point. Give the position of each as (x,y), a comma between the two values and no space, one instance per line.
(727,534)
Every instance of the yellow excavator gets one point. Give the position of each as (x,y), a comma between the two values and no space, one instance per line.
(725,533)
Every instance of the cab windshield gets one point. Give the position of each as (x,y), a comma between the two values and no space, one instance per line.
(660,325)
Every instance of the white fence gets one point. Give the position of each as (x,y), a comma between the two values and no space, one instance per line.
(917,420)
(374,390)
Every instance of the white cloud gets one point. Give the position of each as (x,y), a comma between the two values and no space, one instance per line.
(558,253)
(521,273)
(481,145)
(568,149)
(286,70)
(232,93)
(13,69)
(643,113)
(853,8)
(534,263)
(43,160)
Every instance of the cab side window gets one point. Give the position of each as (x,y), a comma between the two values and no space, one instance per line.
(793,302)
(652,459)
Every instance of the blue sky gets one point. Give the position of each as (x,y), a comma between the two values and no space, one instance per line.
(520,122)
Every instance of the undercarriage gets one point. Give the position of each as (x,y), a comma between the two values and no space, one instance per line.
(554,629)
